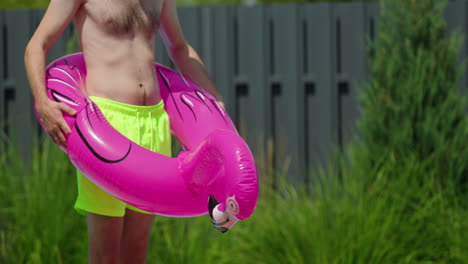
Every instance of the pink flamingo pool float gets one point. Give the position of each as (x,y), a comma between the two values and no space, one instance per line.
(215,173)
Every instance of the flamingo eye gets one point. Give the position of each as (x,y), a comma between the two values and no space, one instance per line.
(233,205)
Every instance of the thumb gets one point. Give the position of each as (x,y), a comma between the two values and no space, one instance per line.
(65,108)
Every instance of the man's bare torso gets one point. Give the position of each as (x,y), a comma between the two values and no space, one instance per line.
(117,39)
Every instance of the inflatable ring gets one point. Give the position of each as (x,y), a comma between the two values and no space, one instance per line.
(215,173)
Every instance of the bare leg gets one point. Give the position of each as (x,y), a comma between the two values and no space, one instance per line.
(135,237)
(104,234)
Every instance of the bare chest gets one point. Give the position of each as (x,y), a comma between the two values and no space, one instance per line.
(125,16)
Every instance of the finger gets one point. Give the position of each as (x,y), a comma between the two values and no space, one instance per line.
(65,128)
(62,140)
(65,108)
(54,139)
(55,135)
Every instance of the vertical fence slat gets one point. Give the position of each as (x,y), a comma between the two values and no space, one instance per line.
(249,68)
(372,29)
(223,53)
(190,21)
(318,66)
(206,35)
(2,79)
(372,20)
(288,104)
(456,17)
(20,113)
(351,65)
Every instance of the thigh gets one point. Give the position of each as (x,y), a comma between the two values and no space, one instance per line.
(104,236)
(136,234)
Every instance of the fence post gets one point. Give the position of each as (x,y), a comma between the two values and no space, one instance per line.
(317,79)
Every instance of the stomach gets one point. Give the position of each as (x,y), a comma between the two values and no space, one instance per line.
(121,68)
(119,84)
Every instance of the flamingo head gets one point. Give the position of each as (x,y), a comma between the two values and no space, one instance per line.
(223,217)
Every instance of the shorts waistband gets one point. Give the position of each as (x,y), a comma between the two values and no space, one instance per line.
(127,108)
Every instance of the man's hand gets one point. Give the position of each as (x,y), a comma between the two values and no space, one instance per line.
(51,114)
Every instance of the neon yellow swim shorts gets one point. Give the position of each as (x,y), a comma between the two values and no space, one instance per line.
(147,126)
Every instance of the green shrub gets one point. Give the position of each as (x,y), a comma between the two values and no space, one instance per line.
(412,106)
(413,131)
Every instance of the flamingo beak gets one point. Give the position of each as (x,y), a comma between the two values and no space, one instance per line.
(222,221)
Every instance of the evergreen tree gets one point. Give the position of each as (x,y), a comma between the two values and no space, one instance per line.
(412,108)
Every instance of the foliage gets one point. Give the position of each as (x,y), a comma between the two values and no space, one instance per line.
(38,222)
(412,107)
(413,130)
(355,224)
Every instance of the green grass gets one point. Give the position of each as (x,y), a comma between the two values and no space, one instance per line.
(345,219)
(38,219)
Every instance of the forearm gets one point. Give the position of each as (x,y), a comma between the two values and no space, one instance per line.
(190,65)
(34,60)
